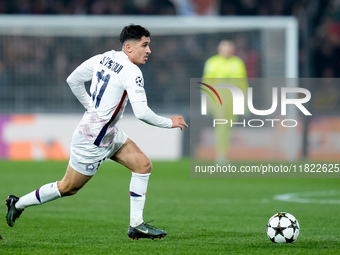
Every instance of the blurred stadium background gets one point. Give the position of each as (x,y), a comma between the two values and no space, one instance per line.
(34,63)
(42,41)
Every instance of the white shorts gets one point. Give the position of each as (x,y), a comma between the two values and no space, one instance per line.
(85,157)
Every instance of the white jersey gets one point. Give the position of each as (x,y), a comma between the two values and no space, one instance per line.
(115,79)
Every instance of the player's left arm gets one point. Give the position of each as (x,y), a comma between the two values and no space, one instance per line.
(76,80)
(242,73)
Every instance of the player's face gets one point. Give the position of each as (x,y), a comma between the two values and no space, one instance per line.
(140,50)
(226,49)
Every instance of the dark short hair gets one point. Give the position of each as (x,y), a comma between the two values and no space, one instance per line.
(133,32)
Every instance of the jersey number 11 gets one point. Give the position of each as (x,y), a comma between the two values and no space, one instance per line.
(101,85)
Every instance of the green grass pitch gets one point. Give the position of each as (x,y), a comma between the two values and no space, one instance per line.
(201,216)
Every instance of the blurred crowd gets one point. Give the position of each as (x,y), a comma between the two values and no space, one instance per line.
(319,19)
(319,37)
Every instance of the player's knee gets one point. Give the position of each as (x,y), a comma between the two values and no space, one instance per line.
(69,192)
(148,167)
(66,189)
(145,167)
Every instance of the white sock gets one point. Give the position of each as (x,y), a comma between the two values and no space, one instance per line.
(46,193)
(138,187)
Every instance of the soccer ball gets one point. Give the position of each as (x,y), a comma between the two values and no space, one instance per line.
(283,227)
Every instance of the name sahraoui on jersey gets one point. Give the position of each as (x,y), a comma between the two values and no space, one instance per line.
(111,65)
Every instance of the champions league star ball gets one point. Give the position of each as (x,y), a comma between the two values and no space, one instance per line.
(283,228)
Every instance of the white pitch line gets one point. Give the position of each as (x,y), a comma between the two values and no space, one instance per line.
(311,197)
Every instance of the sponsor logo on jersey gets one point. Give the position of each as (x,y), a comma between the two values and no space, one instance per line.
(140,91)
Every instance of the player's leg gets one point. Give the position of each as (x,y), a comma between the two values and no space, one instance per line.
(134,159)
(221,141)
(72,182)
(69,185)
(130,156)
(222,133)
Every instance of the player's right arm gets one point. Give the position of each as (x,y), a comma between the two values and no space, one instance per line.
(134,85)
(209,68)
(144,113)
(178,121)
(76,80)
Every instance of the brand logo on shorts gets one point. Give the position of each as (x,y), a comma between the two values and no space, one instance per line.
(90,168)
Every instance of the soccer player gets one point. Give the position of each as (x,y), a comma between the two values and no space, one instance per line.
(116,78)
(224,65)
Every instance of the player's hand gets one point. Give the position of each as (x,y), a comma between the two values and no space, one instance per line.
(178,121)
